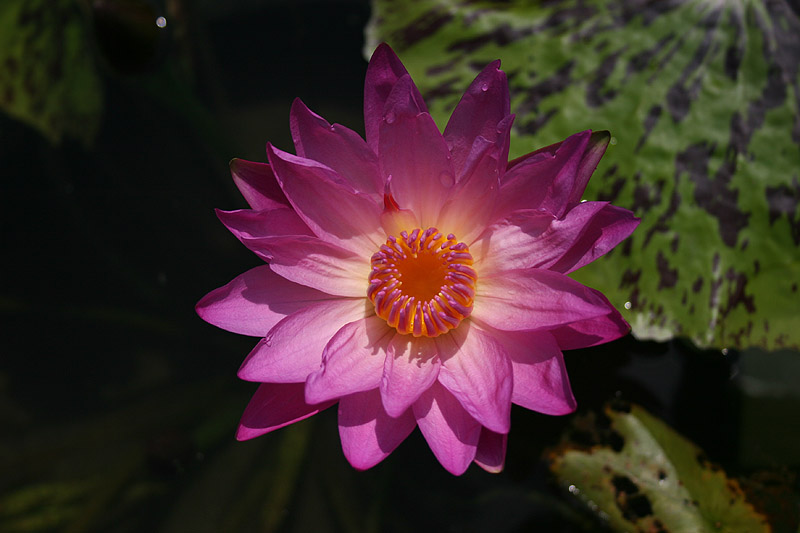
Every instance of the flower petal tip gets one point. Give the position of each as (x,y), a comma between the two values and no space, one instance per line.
(244,433)
(384,53)
(492,469)
(600,136)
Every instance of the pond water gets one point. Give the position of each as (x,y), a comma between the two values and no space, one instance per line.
(118,405)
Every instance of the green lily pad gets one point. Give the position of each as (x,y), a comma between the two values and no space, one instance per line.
(638,474)
(702,101)
(48,78)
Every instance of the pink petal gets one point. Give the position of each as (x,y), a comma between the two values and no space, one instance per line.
(394,220)
(383,71)
(293,348)
(484,104)
(414,154)
(314,263)
(544,181)
(257,183)
(368,434)
(546,248)
(336,147)
(512,243)
(489,156)
(332,209)
(535,299)
(253,302)
(449,430)
(411,367)
(491,454)
(595,233)
(273,406)
(352,360)
(542,154)
(470,206)
(592,332)
(536,239)
(246,223)
(540,376)
(598,142)
(476,369)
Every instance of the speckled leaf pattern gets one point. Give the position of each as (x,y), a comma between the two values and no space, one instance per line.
(638,474)
(47,72)
(701,98)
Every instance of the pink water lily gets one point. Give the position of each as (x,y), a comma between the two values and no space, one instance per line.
(417,278)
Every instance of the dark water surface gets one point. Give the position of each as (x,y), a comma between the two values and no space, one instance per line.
(118,405)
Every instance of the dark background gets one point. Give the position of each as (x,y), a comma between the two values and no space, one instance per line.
(118,405)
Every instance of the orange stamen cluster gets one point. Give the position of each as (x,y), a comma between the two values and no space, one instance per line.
(422,283)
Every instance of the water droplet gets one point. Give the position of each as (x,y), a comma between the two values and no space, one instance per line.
(485,87)
(447,179)
(627,305)
(724,351)
(161,22)
(390,117)
(613,141)
(333,127)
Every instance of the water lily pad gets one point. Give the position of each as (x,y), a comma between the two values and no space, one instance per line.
(702,100)
(638,474)
(48,78)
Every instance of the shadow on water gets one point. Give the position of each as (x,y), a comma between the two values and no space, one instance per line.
(118,405)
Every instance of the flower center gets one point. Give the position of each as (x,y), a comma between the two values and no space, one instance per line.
(422,283)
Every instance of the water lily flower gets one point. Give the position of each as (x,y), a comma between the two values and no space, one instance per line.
(417,279)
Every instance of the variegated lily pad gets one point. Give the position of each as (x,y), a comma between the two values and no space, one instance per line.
(639,475)
(47,72)
(701,98)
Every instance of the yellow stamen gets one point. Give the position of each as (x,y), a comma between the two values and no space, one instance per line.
(422,283)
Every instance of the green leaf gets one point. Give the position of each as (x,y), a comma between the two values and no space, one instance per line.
(701,99)
(48,78)
(89,473)
(637,473)
(41,507)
